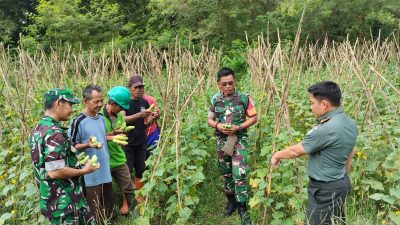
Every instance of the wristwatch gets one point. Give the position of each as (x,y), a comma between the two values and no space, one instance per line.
(240,128)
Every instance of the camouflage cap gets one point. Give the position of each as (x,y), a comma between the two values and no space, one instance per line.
(60,93)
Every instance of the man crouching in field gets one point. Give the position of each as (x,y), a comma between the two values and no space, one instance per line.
(329,146)
(57,171)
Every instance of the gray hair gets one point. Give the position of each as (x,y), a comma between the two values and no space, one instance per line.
(87,91)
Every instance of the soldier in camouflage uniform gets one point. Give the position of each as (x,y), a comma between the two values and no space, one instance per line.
(57,171)
(236,109)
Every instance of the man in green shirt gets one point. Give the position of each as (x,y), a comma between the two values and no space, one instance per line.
(329,146)
(119,98)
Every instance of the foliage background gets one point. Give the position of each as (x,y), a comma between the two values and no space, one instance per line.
(100,23)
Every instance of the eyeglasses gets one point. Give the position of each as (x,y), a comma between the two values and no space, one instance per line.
(230,83)
(139,87)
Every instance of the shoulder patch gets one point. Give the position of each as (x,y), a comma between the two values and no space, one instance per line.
(324,120)
(312,129)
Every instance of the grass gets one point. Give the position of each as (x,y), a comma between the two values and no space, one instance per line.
(212,203)
(209,211)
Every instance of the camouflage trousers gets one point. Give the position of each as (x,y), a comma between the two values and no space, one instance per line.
(234,169)
(83,216)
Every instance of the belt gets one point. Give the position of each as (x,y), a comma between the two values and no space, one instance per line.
(325,182)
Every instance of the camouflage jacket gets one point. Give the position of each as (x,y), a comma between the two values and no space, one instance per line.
(51,150)
(232,111)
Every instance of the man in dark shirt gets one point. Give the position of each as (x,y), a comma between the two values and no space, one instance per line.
(139,116)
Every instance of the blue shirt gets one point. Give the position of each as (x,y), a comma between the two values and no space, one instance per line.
(81,129)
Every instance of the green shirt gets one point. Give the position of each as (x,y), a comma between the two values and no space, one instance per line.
(50,151)
(117,155)
(329,145)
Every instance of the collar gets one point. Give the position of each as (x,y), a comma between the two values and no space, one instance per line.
(51,120)
(93,117)
(55,122)
(104,113)
(235,94)
(329,114)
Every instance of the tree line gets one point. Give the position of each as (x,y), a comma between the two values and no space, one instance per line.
(94,24)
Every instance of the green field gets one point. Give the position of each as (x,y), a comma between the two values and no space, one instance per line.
(182,182)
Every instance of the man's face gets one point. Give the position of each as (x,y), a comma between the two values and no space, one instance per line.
(318,107)
(94,104)
(137,92)
(227,85)
(64,109)
(115,108)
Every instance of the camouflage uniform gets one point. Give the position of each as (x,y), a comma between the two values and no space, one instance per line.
(233,168)
(61,200)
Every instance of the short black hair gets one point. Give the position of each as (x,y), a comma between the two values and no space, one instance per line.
(87,91)
(224,71)
(50,104)
(327,90)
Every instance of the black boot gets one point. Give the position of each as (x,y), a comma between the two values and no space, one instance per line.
(231,205)
(244,215)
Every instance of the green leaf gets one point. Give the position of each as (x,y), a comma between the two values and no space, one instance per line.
(159,172)
(279,205)
(23,175)
(395,218)
(5,217)
(9,202)
(185,213)
(198,177)
(371,166)
(389,164)
(278,215)
(253,202)
(289,189)
(382,197)
(395,192)
(6,190)
(266,149)
(188,200)
(374,184)
(142,220)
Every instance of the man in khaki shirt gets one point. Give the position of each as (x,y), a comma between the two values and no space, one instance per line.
(329,146)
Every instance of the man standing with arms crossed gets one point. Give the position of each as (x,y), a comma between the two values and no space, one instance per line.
(236,109)
(57,170)
(329,146)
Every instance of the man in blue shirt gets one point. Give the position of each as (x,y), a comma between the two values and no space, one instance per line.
(89,124)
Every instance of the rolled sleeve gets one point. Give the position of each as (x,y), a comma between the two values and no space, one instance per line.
(211,115)
(54,165)
(316,140)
